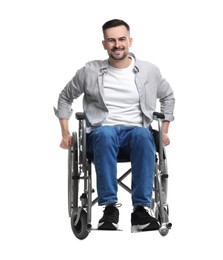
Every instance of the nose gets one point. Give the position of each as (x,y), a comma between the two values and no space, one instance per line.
(117,43)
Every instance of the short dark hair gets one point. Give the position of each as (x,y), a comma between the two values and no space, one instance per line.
(114,23)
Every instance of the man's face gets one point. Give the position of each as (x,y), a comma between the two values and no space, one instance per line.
(117,42)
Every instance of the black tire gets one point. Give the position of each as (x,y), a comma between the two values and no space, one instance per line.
(166,215)
(80,230)
(69,182)
(73,176)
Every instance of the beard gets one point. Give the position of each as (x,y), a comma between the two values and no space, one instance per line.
(121,55)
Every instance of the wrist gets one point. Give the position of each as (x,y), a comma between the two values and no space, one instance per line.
(65,134)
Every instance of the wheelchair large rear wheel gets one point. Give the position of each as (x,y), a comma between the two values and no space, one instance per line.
(73,175)
(80,229)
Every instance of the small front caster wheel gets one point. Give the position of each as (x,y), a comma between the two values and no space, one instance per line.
(80,229)
(164,230)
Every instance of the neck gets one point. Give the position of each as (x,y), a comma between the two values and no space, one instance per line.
(120,64)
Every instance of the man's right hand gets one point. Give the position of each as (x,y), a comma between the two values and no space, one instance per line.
(66,142)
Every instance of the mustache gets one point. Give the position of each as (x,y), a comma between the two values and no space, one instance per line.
(117,49)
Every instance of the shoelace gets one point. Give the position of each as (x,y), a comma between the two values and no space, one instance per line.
(147,211)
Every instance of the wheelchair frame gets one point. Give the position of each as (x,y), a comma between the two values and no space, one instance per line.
(79,169)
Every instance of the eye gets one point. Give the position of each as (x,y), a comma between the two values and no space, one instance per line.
(122,39)
(110,40)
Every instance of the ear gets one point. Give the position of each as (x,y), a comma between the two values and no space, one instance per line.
(130,42)
(104,44)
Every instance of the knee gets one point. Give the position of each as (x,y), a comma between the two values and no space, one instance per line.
(143,136)
(142,132)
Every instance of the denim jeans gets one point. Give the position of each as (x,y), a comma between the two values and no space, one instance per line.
(107,143)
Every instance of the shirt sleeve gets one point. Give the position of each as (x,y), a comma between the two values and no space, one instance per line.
(167,100)
(72,90)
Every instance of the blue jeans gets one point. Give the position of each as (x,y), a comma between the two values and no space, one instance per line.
(107,143)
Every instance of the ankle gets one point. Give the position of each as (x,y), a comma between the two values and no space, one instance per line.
(137,207)
(116,205)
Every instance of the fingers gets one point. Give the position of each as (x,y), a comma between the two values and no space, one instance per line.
(166,139)
(64,145)
(167,142)
(66,142)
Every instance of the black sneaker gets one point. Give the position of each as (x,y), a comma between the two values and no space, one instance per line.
(109,221)
(142,221)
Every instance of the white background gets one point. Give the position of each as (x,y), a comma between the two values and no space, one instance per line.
(43,43)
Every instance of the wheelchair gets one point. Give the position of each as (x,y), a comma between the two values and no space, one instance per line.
(80,171)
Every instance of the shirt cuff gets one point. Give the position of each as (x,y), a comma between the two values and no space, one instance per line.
(63,114)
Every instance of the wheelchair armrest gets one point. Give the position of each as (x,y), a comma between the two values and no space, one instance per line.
(80,115)
(158,115)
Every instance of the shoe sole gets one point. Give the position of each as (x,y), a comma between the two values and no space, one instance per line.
(145,227)
(107,226)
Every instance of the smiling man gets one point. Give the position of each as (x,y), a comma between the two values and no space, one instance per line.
(117,42)
(120,95)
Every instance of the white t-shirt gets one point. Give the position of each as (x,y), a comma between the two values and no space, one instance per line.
(122,97)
